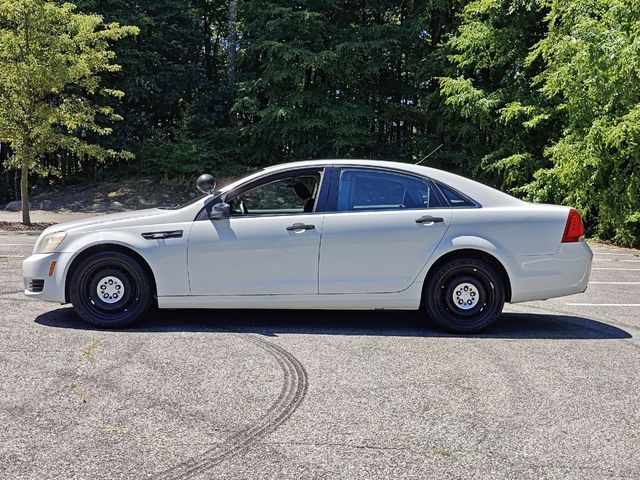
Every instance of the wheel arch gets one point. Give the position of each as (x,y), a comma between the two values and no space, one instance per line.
(479,255)
(106,247)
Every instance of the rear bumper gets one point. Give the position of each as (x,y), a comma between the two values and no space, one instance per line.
(539,277)
(38,283)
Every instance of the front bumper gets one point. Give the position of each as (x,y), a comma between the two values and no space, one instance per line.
(40,281)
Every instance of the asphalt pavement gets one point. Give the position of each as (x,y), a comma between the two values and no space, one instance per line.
(550,391)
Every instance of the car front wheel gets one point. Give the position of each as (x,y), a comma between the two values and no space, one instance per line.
(110,289)
(464,295)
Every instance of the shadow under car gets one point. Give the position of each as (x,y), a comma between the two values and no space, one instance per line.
(322,322)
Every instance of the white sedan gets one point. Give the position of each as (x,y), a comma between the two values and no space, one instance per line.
(330,234)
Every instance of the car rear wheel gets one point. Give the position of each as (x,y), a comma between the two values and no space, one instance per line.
(464,295)
(110,289)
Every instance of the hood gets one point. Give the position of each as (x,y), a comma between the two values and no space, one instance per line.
(151,216)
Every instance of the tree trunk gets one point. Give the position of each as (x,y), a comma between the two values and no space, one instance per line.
(24,191)
(208,54)
(232,46)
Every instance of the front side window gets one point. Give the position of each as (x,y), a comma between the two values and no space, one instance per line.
(290,195)
(363,189)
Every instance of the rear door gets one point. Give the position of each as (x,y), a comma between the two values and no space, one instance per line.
(384,228)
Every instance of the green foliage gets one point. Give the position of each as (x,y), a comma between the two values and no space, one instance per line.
(161,67)
(52,60)
(340,78)
(188,155)
(592,65)
(503,123)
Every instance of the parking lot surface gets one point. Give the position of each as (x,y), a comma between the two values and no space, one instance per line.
(550,391)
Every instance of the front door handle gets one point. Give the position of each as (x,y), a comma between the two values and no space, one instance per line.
(300,226)
(429,219)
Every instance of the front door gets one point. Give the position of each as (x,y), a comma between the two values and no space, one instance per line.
(385,228)
(269,246)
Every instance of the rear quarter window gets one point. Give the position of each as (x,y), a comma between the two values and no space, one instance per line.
(455,199)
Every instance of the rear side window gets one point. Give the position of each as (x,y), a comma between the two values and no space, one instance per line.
(364,189)
(454,198)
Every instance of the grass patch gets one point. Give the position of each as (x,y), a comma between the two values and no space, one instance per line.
(444,452)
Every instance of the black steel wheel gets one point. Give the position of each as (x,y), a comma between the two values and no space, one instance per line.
(464,295)
(110,289)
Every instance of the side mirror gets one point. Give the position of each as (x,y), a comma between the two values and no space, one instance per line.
(220,211)
(206,183)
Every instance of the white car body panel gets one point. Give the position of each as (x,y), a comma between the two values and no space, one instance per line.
(360,250)
(406,300)
(255,256)
(167,259)
(350,260)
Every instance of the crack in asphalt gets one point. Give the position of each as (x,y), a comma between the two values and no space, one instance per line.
(291,396)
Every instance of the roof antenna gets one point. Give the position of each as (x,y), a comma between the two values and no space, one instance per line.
(432,152)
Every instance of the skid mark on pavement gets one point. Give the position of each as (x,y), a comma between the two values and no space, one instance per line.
(293,391)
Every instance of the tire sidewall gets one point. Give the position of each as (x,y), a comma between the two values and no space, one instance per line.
(100,264)
(438,289)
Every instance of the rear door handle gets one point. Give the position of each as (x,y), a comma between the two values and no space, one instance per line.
(429,219)
(300,226)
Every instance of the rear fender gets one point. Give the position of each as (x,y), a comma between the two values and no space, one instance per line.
(450,245)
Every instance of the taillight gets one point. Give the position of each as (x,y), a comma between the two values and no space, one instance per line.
(574,230)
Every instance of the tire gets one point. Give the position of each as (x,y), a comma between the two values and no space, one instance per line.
(110,289)
(464,295)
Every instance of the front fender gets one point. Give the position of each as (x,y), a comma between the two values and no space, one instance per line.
(167,258)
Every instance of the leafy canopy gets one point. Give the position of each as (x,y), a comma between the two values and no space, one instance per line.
(592,59)
(52,60)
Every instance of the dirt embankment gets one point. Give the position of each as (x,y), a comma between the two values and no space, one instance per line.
(61,204)
(109,196)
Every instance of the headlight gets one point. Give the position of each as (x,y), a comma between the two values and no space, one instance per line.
(49,243)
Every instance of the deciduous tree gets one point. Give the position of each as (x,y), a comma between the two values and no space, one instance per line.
(52,60)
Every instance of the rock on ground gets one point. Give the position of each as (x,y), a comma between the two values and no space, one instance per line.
(14,206)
